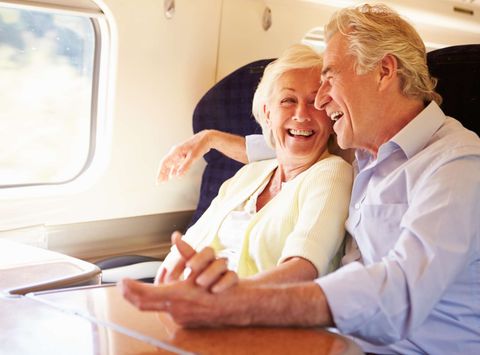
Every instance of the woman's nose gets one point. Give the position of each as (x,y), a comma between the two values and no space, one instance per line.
(301,113)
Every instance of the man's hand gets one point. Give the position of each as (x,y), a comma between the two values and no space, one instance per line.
(300,304)
(205,269)
(180,157)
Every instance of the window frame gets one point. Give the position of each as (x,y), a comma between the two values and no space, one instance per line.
(101,97)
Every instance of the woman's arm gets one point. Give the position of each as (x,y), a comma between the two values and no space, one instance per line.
(295,269)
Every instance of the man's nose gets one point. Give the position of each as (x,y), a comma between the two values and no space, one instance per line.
(322,98)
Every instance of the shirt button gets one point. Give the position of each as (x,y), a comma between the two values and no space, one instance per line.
(357,206)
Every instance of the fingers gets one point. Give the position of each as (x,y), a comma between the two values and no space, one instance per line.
(185,250)
(161,275)
(211,273)
(169,165)
(175,236)
(176,272)
(227,280)
(144,296)
(180,157)
(177,264)
(206,270)
(199,262)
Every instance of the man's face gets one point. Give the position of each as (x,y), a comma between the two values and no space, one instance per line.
(348,98)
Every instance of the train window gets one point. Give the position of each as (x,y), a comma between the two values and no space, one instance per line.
(48,116)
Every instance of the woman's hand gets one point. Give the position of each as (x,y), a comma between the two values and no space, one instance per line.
(203,268)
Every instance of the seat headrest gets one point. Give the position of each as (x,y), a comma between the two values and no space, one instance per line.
(457,69)
(227,107)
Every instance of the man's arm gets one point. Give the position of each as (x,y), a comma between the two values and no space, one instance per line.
(180,157)
(191,304)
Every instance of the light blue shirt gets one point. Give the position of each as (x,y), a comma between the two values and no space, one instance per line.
(415,215)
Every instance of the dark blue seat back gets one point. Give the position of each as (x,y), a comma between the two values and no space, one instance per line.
(226,107)
(457,69)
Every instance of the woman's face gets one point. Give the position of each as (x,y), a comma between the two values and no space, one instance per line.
(300,131)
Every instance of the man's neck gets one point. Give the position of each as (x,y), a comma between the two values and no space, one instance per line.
(396,116)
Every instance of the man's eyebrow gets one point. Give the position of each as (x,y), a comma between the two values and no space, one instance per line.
(326,70)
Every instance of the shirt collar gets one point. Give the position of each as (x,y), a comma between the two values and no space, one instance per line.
(416,134)
(410,139)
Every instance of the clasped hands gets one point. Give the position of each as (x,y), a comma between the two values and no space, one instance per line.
(192,301)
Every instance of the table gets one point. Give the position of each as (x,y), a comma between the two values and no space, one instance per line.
(106,309)
(24,269)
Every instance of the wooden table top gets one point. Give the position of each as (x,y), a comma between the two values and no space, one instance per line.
(128,330)
(28,327)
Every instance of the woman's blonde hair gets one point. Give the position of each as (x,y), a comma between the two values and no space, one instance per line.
(373,31)
(298,56)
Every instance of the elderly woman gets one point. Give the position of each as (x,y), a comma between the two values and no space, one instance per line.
(280,220)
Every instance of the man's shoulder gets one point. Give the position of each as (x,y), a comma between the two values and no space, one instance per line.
(452,140)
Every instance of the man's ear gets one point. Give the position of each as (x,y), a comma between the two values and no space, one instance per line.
(387,71)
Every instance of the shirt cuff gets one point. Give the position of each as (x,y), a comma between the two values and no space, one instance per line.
(349,313)
(257,148)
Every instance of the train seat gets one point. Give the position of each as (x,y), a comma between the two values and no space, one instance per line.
(226,107)
(457,69)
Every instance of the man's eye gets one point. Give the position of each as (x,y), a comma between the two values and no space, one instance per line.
(326,80)
(287,100)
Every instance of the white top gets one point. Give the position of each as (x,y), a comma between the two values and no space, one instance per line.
(233,228)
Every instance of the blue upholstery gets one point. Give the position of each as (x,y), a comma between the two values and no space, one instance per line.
(226,107)
(457,69)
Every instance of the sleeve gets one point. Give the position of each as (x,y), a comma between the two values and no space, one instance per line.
(322,210)
(257,148)
(439,236)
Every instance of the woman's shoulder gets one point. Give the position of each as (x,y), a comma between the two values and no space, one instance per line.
(331,162)
(252,172)
(329,170)
(258,167)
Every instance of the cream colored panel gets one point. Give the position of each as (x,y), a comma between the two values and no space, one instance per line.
(243,39)
(163,68)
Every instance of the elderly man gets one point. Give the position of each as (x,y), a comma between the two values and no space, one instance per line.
(412,283)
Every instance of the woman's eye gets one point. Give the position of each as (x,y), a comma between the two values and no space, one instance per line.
(287,100)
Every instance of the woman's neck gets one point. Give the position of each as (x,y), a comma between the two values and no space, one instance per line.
(283,173)
(287,171)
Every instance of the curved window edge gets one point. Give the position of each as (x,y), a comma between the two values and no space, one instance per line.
(103,79)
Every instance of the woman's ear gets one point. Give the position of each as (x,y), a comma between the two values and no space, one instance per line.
(266,112)
(388,70)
